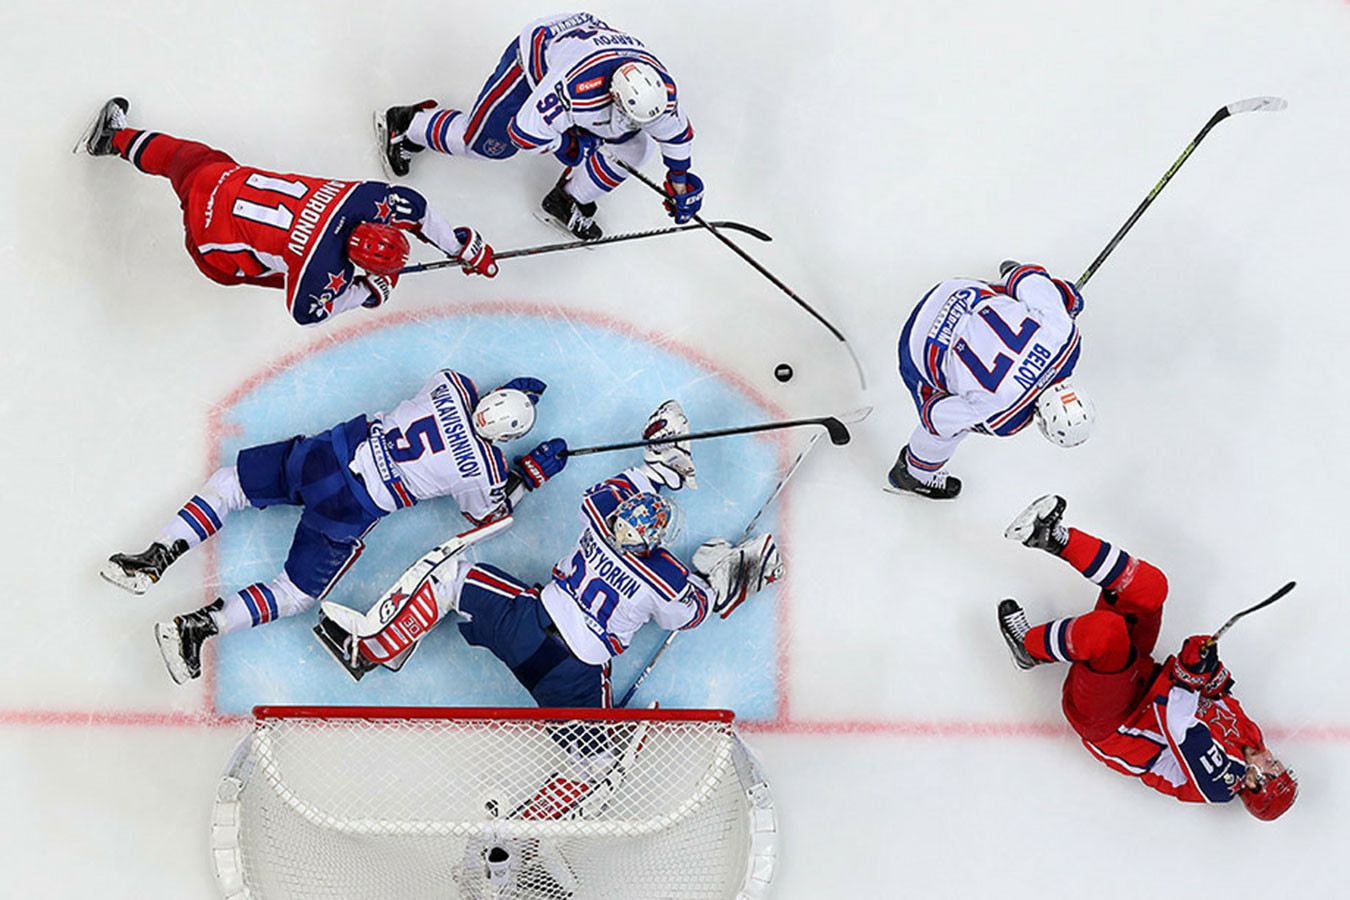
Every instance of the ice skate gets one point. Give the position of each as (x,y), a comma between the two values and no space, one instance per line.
(180,641)
(941,487)
(1038,525)
(561,211)
(136,572)
(1012,621)
(98,137)
(396,151)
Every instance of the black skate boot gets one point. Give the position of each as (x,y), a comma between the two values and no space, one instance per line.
(391,126)
(900,481)
(136,572)
(1007,266)
(576,218)
(98,140)
(1038,525)
(1012,621)
(180,641)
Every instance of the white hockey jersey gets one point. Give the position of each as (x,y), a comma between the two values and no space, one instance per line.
(600,596)
(568,61)
(976,354)
(427,447)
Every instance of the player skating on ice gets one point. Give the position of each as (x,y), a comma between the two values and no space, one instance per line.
(330,245)
(558,640)
(442,442)
(988,358)
(568,85)
(1174,725)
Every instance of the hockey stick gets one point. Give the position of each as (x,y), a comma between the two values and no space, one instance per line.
(713,227)
(1247,612)
(1255,104)
(574,245)
(773,495)
(836,429)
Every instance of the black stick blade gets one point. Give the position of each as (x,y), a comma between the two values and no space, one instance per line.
(839,435)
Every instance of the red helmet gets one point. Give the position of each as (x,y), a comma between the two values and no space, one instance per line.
(1273,798)
(382,249)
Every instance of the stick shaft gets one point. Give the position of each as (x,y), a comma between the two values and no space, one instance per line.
(701,435)
(576,245)
(1249,610)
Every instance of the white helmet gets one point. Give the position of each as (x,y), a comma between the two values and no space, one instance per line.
(638,91)
(503,415)
(1065,414)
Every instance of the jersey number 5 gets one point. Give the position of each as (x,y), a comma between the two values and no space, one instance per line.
(1016,341)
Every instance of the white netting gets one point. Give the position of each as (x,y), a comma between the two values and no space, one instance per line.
(478,805)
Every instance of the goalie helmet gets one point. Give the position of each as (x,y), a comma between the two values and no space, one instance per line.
(644,522)
(1065,415)
(503,415)
(638,92)
(381,249)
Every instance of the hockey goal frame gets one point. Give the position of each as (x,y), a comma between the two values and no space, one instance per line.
(732,762)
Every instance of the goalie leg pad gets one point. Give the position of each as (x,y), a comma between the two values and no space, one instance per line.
(401,620)
(737,573)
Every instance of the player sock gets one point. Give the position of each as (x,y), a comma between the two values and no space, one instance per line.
(1050,642)
(1100,562)
(435,128)
(260,603)
(134,145)
(205,513)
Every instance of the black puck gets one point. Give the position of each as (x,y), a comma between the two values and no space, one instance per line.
(783,372)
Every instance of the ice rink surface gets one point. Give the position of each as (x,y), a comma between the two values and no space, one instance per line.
(885,146)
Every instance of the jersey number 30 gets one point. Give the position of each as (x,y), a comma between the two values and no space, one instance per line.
(597,598)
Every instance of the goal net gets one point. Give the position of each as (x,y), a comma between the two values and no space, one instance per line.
(526,804)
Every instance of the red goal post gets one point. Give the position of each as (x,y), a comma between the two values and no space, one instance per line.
(534,804)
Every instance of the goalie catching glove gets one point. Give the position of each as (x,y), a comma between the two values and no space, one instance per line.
(736,573)
(670,465)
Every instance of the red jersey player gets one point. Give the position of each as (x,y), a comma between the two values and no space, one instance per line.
(1174,725)
(303,234)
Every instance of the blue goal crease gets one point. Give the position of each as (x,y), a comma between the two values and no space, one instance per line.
(723,663)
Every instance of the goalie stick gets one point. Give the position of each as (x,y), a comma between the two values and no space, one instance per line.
(856,415)
(1248,611)
(574,245)
(713,228)
(1255,104)
(835,427)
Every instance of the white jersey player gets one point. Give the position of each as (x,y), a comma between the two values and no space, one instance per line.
(567,85)
(442,442)
(559,639)
(988,358)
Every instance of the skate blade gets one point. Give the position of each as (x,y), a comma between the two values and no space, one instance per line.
(83,145)
(171,648)
(1025,523)
(558,227)
(135,582)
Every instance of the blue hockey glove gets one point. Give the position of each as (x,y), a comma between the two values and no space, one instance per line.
(542,463)
(530,387)
(683,207)
(577,144)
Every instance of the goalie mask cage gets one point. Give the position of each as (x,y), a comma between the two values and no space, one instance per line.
(527,804)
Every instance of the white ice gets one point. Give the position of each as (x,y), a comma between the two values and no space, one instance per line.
(885,146)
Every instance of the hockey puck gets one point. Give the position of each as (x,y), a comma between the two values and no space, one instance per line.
(783,372)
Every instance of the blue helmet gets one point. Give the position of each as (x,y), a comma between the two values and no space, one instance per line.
(644,522)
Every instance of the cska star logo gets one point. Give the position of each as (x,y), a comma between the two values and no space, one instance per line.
(382,210)
(336,282)
(1222,722)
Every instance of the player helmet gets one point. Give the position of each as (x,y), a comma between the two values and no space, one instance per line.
(503,415)
(1271,788)
(1065,414)
(381,249)
(644,522)
(638,92)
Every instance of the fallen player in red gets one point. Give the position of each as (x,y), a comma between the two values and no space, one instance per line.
(303,234)
(1174,725)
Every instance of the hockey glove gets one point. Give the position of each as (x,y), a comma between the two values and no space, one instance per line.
(380,287)
(577,145)
(670,464)
(542,463)
(530,387)
(684,191)
(476,255)
(1197,667)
